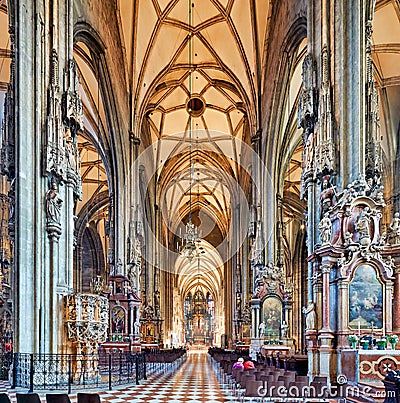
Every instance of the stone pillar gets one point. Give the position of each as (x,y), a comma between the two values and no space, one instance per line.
(396,301)
(350,25)
(131,307)
(325,270)
(287,316)
(325,335)
(388,316)
(51,332)
(312,353)
(44,222)
(77,267)
(343,311)
(317,294)
(66,276)
(255,345)
(255,317)
(311,235)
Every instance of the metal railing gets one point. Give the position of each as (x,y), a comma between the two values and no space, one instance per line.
(70,371)
(105,370)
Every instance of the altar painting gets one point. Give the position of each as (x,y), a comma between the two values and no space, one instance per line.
(272,315)
(365,299)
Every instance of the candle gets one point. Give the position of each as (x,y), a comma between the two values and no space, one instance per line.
(359,329)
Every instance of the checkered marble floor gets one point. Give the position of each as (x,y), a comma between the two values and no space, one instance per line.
(195,381)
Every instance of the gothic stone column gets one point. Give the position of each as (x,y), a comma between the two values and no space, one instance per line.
(396,301)
(325,335)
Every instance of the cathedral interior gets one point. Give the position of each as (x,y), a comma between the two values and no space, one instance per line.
(211,173)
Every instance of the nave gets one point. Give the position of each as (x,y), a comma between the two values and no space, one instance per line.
(194,381)
(176,172)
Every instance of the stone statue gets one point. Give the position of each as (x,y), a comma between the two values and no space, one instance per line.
(394,230)
(327,195)
(137,327)
(382,239)
(362,225)
(70,151)
(309,311)
(53,204)
(348,238)
(284,329)
(325,228)
(261,329)
(342,260)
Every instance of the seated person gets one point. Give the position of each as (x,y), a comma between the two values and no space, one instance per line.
(248,365)
(238,363)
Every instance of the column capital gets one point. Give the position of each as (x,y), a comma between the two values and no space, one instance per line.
(255,303)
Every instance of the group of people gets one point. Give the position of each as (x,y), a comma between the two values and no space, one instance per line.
(241,363)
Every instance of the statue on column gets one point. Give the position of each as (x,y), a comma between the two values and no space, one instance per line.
(137,327)
(309,311)
(327,195)
(284,329)
(261,329)
(53,204)
(70,151)
(325,228)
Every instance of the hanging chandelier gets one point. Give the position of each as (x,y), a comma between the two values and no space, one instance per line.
(190,241)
